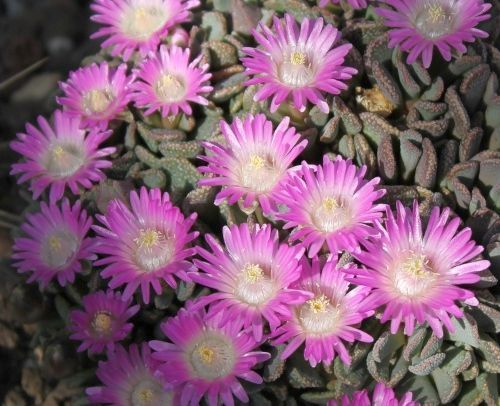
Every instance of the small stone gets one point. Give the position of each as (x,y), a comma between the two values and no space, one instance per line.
(374,101)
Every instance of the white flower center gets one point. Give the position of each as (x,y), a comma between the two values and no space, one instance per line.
(148,392)
(259,172)
(59,248)
(212,357)
(140,20)
(331,214)
(296,68)
(436,18)
(414,275)
(154,249)
(170,88)
(63,160)
(102,323)
(319,316)
(97,100)
(254,285)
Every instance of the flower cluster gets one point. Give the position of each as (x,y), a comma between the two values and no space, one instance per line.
(309,252)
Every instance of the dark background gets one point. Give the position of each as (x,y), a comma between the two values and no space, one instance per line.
(40,42)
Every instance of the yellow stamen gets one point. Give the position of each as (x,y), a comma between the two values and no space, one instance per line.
(257,162)
(140,12)
(55,243)
(96,100)
(435,12)
(102,323)
(297,58)
(417,265)
(329,203)
(319,304)
(146,396)
(170,87)
(253,273)
(148,238)
(58,151)
(167,82)
(206,354)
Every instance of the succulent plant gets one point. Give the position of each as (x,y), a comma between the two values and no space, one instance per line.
(431,135)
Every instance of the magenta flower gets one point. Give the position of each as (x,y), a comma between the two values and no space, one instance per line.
(206,359)
(253,162)
(417,26)
(146,244)
(382,396)
(416,274)
(300,64)
(330,203)
(61,156)
(138,25)
(56,243)
(103,322)
(355,4)
(168,82)
(326,320)
(129,378)
(96,93)
(252,276)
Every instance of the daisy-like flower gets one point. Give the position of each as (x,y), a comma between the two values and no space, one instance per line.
(56,243)
(330,203)
(416,26)
(254,161)
(130,379)
(252,275)
(103,322)
(416,274)
(206,359)
(96,93)
(138,25)
(300,64)
(145,244)
(382,396)
(326,320)
(355,4)
(168,82)
(61,156)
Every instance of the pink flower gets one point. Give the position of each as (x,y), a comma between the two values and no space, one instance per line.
(56,243)
(300,64)
(416,273)
(129,378)
(96,93)
(103,322)
(168,82)
(205,359)
(131,25)
(332,203)
(416,26)
(61,156)
(382,396)
(355,4)
(146,244)
(253,162)
(327,319)
(251,275)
